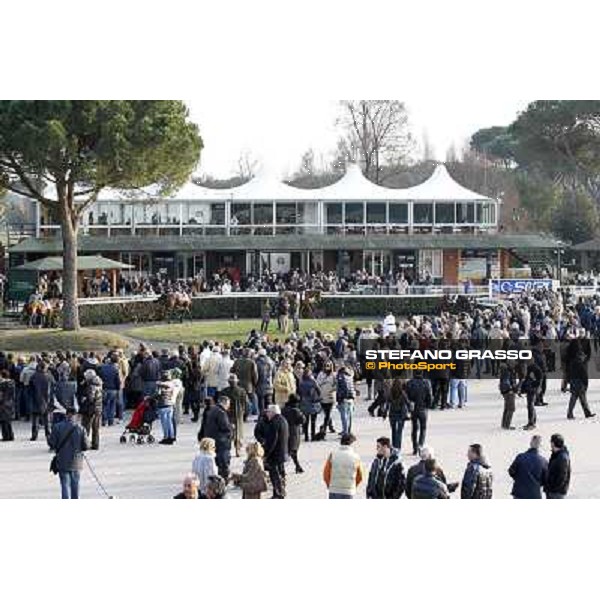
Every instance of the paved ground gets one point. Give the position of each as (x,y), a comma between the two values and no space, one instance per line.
(131,471)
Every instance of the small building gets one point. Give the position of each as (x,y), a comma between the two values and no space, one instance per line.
(438,229)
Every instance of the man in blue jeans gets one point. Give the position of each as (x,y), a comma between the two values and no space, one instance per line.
(111,384)
(69,440)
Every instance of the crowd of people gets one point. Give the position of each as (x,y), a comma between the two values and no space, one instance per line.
(287,387)
(226,281)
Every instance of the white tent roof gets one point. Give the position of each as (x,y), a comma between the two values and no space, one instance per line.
(441,186)
(352,186)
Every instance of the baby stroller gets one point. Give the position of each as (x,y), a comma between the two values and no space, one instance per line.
(139,428)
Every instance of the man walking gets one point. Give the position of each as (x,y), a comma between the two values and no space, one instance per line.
(559,469)
(529,472)
(69,440)
(275,437)
(218,427)
(419,397)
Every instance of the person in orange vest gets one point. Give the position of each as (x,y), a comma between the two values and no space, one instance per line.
(343,471)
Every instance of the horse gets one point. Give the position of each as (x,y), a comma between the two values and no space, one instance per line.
(309,304)
(178,303)
(42,313)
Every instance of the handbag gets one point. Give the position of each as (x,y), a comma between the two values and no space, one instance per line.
(54,461)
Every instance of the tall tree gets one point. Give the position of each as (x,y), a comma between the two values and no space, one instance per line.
(561,139)
(495,144)
(427,149)
(247,165)
(379,130)
(79,148)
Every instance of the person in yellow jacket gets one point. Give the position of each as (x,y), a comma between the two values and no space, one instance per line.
(343,471)
(284,383)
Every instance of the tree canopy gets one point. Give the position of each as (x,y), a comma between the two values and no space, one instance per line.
(64,152)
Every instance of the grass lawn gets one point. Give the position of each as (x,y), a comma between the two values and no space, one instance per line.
(229,331)
(40,340)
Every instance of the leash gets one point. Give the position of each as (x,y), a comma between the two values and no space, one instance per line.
(96,477)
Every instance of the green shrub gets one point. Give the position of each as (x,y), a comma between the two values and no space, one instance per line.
(250,307)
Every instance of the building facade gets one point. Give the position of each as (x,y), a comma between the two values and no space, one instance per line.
(438,229)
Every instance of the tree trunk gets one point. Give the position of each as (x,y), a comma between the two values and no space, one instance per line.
(70,292)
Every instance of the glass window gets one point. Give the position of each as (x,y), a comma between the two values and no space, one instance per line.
(398,213)
(217,214)
(263,214)
(465,212)
(423,213)
(354,213)
(376,213)
(286,213)
(334,214)
(241,213)
(444,213)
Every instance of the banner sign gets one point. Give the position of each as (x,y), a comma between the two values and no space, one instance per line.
(517,286)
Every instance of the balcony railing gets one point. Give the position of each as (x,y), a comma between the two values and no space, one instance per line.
(174,229)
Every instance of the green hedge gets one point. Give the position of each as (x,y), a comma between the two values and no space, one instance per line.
(230,307)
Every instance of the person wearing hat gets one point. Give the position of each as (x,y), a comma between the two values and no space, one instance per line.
(239,398)
(69,440)
(91,406)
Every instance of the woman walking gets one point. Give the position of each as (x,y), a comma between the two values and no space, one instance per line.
(310,402)
(296,420)
(326,381)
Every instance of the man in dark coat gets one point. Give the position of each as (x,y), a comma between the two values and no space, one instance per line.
(419,469)
(276,443)
(577,376)
(7,406)
(559,469)
(91,406)
(41,384)
(477,480)
(264,387)
(295,420)
(428,486)
(419,395)
(68,439)
(530,386)
(237,408)
(529,471)
(218,427)
(247,373)
(386,476)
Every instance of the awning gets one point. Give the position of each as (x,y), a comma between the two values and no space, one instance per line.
(84,263)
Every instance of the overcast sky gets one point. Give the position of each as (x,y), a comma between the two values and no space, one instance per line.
(278,131)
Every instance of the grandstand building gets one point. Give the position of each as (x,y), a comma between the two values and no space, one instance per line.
(438,229)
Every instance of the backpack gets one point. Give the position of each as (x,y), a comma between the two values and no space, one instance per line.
(342,387)
(339,348)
